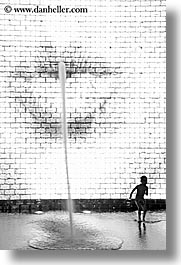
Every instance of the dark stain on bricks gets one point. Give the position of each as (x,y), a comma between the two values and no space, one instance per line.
(48,126)
(76,60)
(46,66)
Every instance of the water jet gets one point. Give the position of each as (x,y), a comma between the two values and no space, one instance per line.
(62,77)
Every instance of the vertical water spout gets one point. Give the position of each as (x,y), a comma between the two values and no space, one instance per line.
(62,77)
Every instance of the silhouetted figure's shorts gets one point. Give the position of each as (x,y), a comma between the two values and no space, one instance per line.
(141,204)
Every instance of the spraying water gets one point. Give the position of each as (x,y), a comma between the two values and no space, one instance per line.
(62,77)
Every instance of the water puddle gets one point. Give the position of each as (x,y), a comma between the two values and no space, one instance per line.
(54,233)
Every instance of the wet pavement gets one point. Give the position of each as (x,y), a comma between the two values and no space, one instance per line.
(51,230)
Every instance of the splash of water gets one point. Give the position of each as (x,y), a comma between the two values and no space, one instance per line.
(62,77)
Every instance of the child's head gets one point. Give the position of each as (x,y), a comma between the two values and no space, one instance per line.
(144,180)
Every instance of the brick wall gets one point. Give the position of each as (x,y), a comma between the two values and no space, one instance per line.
(115,60)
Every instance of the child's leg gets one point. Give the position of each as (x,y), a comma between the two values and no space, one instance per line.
(139,215)
(144,214)
(144,211)
(139,210)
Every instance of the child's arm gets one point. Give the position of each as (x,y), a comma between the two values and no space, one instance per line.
(146,192)
(132,192)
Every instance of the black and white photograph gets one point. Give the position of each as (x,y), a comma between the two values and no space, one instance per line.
(83,125)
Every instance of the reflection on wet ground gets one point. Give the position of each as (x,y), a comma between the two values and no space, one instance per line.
(91,231)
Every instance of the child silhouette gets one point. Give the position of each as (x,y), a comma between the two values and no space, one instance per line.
(141,189)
